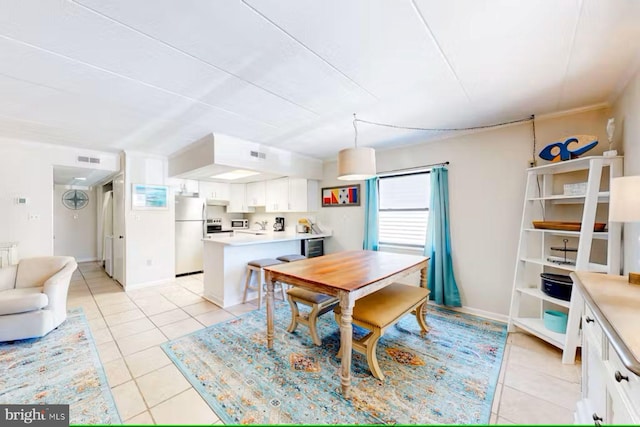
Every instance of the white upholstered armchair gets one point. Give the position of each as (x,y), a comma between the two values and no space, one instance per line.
(33,296)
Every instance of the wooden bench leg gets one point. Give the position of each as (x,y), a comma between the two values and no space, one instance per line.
(367,346)
(372,360)
(313,330)
(261,282)
(294,315)
(421,313)
(247,282)
(282,291)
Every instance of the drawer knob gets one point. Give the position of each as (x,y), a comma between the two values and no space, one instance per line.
(619,377)
(588,319)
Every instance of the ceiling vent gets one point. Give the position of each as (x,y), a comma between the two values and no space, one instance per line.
(85,159)
(258,155)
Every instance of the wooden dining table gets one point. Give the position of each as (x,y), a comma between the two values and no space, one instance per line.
(349,275)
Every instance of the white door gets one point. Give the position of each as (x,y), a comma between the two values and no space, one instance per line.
(118,230)
(107,232)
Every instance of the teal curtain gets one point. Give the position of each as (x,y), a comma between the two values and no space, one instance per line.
(441,280)
(371,215)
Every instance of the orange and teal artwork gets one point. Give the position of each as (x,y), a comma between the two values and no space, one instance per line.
(346,195)
(571,148)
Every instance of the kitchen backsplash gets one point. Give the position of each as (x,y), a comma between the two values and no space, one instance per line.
(290,219)
(221,212)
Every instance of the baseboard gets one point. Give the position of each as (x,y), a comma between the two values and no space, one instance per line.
(476,312)
(86,259)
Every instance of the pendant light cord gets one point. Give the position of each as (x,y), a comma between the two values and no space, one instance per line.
(355,128)
(530,118)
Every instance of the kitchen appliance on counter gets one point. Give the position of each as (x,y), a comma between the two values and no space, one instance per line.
(279,224)
(239,223)
(190,230)
(214,226)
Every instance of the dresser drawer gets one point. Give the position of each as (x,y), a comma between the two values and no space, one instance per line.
(618,375)
(592,331)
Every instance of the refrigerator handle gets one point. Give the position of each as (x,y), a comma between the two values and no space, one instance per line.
(204,220)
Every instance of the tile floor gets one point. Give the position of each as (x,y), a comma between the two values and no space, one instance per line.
(534,386)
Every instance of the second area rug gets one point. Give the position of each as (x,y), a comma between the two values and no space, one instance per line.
(448,376)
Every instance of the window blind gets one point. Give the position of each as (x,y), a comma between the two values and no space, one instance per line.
(404,209)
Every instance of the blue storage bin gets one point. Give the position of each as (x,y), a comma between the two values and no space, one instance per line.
(555,321)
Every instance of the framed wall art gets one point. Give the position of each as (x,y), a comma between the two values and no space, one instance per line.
(150,197)
(345,195)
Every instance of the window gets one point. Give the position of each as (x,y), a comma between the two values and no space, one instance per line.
(404,209)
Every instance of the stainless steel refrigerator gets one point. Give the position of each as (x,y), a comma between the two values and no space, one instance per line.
(190,229)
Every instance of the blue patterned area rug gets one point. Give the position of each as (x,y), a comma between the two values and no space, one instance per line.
(62,367)
(448,376)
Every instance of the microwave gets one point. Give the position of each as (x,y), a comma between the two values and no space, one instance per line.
(239,223)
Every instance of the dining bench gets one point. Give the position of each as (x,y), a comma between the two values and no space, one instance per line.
(380,310)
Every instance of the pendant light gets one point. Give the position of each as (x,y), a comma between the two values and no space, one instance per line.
(356,164)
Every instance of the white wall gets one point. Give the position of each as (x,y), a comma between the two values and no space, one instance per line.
(486,189)
(626,111)
(75,230)
(26,170)
(346,222)
(150,234)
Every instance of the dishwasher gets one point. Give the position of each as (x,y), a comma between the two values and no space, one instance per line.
(313,247)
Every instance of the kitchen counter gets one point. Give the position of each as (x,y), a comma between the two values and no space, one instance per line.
(614,302)
(246,237)
(225,261)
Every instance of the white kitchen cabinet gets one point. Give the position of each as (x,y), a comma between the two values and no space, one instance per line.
(303,195)
(255,195)
(277,195)
(610,390)
(237,199)
(291,195)
(180,185)
(215,190)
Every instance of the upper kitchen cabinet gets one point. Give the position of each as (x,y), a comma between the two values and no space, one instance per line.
(255,193)
(291,195)
(277,195)
(215,190)
(303,195)
(182,186)
(238,199)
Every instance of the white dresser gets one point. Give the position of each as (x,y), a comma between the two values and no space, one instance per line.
(610,349)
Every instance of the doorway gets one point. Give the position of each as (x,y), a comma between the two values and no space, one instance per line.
(74,222)
(78,216)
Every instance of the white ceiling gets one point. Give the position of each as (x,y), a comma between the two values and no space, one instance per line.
(156,75)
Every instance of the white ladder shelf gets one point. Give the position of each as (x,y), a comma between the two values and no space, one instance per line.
(547,200)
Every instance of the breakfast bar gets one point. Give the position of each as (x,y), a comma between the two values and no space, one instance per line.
(225,261)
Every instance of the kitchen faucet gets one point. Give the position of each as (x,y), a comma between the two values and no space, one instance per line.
(262,224)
